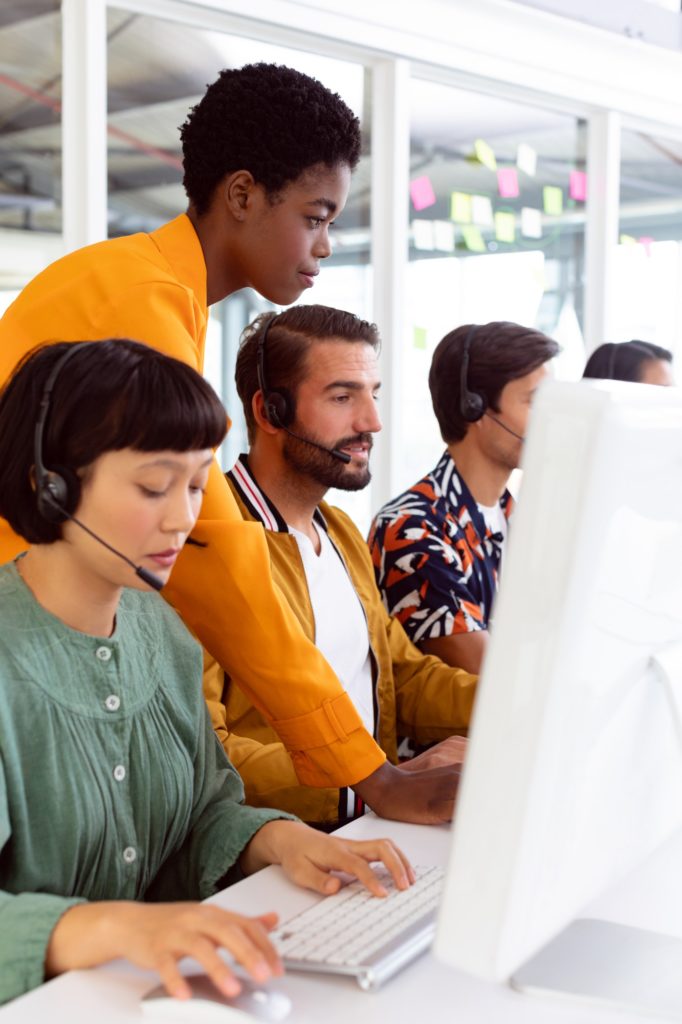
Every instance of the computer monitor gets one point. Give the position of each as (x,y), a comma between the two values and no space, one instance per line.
(574,768)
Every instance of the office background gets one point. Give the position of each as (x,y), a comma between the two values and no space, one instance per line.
(518,164)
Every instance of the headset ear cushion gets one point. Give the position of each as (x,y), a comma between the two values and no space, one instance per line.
(280,407)
(473,407)
(58,493)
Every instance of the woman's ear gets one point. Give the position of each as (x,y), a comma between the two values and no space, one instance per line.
(237,190)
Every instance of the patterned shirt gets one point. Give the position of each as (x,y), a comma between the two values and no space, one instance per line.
(436,561)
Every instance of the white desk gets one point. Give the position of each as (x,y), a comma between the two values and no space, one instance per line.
(110,995)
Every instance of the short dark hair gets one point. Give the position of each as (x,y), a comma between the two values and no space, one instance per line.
(267,119)
(111,395)
(290,336)
(624,360)
(499,352)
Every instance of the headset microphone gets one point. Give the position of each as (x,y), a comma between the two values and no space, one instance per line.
(144,574)
(519,437)
(335,453)
(58,489)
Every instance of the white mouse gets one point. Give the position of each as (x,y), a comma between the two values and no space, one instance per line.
(255,1003)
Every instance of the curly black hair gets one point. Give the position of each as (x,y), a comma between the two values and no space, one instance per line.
(270,120)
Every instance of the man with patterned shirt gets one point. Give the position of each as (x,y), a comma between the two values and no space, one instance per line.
(437,548)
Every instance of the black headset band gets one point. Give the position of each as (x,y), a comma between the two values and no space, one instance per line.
(260,358)
(464,369)
(45,401)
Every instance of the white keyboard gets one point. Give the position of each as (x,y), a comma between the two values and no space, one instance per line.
(353,932)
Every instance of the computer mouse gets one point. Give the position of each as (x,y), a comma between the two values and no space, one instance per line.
(255,1003)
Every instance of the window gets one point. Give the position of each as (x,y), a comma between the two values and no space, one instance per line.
(497,199)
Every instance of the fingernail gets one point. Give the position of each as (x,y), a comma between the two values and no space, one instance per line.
(330,886)
(231,987)
(261,971)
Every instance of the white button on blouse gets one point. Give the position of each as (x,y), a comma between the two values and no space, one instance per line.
(112,703)
(103,653)
(119,773)
(130,855)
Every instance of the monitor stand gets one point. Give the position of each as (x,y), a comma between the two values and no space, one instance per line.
(599,961)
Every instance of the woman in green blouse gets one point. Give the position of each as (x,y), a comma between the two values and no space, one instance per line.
(117,804)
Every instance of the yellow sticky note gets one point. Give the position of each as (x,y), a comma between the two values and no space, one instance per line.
(553,200)
(627,240)
(485,154)
(419,337)
(505,226)
(460,207)
(473,239)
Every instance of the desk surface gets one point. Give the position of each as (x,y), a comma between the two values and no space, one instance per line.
(110,995)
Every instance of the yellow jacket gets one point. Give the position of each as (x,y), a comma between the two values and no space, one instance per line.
(416,695)
(152,287)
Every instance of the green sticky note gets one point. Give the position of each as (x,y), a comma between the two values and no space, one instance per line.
(485,154)
(473,239)
(628,240)
(419,337)
(460,207)
(553,200)
(505,226)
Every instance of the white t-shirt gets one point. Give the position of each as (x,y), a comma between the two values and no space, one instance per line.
(340,625)
(495,518)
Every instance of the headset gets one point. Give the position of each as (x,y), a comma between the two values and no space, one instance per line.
(279,405)
(473,405)
(58,490)
(280,409)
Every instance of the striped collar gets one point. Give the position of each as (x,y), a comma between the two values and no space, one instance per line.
(257,501)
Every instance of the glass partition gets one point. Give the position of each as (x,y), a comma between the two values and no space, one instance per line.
(647,282)
(30,141)
(497,201)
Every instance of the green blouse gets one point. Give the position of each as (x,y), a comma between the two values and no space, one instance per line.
(113,785)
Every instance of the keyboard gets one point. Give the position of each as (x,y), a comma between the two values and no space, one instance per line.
(357,934)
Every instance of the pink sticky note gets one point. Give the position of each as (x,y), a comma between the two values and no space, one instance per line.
(508,182)
(421,192)
(646,242)
(577,186)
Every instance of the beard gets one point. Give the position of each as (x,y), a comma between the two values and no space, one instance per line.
(324,469)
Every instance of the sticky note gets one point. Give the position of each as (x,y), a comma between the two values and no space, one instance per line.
(460,207)
(526,159)
(444,235)
(421,192)
(646,242)
(473,239)
(627,240)
(485,155)
(482,211)
(422,234)
(553,200)
(577,186)
(508,182)
(419,337)
(505,226)
(531,222)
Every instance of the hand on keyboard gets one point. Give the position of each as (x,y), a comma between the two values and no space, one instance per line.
(308,857)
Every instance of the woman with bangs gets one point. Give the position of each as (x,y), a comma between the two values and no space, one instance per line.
(116,800)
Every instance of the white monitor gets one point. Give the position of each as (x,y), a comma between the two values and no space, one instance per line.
(574,768)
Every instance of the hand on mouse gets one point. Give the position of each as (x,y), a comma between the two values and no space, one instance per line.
(308,857)
(157,936)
